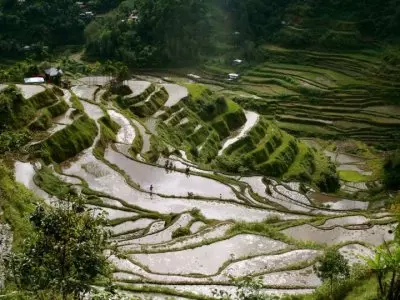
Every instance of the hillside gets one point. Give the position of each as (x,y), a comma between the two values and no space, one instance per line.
(235,148)
(141,33)
(339,24)
(182,170)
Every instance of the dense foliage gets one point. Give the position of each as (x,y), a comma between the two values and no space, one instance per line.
(157,32)
(151,32)
(64,253)
(334,23)
(392,171)
(33,25)
(386,264)
(332,266)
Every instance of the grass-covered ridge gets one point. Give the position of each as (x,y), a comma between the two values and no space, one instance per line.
(16,204)
(17,112)
(200,124)
(150,105)
(68,142)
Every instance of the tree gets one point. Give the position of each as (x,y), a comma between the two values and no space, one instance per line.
(386,266)
(64,254)
(122,73)
(332,266)
(165,31)
(392,171)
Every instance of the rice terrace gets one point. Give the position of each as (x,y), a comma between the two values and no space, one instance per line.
(234,175)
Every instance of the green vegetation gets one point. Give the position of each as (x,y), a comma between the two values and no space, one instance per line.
(41,25)
(108,130)
(309,68)
(158,33)
(333,96)
(200,123)
(385,266)
(21,118)
(181,231)
(16,203)
(358,285)
(332,24)
(353,176)
(123,98)
(13,140)
(149,106)
(392,171)
(363,289)
(332,266)
(16,112)
(266,228)
(67,142)
(50,183)
(64,254)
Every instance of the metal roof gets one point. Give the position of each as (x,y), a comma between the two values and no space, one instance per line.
(34,80)
(53,72)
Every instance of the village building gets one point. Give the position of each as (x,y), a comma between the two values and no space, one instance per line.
(53,75)
(34,80)
(233,76)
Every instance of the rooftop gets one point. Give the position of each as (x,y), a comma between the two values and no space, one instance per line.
(34,80)
(53,72)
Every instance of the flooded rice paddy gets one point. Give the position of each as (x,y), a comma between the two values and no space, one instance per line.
(268,263)
(208,259)
(137,87)
(126,133)
(176,229)
(251,120)
(156,179)
(29,91)
(375,235)
(176,93)
(336,203)
(85,92)
(95,80)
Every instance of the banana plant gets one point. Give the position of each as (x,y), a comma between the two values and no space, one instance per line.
(386,266)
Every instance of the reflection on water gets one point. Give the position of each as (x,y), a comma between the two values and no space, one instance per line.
(174,183)
(338,203)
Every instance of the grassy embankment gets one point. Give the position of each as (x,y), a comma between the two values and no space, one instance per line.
(203,121)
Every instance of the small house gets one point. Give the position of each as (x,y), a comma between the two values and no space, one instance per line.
(133,18)
(88,15)
(194,76)
(233,76)
(237,62)
(53,75)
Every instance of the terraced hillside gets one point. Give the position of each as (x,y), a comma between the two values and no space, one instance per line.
(215,132)
(185,229)
(46,119)
(334,96)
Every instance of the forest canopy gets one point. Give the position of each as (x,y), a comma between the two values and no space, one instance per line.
(150,33)
(159,31)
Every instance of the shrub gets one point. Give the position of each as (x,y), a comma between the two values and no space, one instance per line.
(328,182)
(13,140)
(332,267)
(181,231)
(392,171)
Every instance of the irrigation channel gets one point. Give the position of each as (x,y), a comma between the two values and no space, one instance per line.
(147,204)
